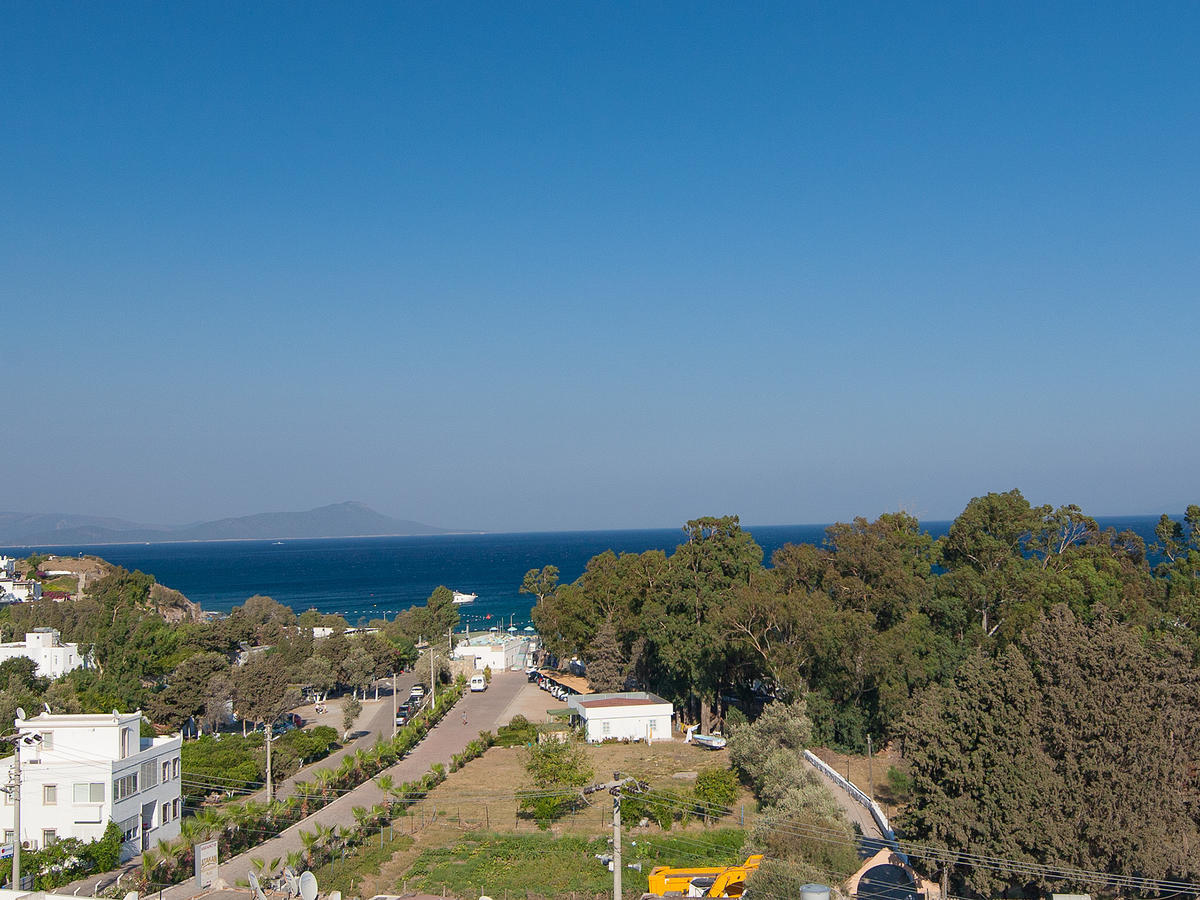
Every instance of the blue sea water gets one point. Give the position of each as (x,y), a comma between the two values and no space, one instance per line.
(368,578)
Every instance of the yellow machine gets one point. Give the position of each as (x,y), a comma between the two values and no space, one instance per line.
(721,881)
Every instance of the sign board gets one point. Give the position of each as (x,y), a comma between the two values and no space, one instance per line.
(6,851)
(206,864)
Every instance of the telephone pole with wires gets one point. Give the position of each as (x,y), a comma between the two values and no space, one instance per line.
(615,788)
(13,789)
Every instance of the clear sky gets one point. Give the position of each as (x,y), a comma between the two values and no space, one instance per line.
(526,266)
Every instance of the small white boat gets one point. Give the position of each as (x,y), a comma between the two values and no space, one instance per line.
(460,597)
(708,741)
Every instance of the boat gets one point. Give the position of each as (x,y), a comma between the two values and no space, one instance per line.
(712,741)
(460,597)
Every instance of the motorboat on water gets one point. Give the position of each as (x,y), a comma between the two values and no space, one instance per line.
(460,597)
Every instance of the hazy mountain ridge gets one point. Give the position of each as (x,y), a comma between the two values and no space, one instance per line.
(349,519)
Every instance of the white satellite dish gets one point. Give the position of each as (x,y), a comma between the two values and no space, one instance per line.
(334,895)
(255,889)
(308,886)
(46,706)
(132,895)
(291,881)
(20,714)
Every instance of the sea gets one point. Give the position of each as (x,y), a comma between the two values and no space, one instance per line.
(367,578)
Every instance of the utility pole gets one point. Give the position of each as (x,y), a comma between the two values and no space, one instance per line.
(614,787)
(394,709)
(432,681)
(16,797)
(13,789)
(270,789)
(617,842)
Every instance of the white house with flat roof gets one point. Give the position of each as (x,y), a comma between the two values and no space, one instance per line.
(498,651)
(79,772)
(631,716)
(45,647)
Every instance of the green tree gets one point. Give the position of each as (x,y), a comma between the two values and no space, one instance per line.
(557,770)
(262,691)
(350,710)
(606,664)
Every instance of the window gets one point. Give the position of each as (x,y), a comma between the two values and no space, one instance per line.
(8,835)
(129,828)
(47,740)
(175,767)
(605,727)
(49,836)
(83,792)
(175,808)
(49,794)
(166,814)
(126,742)
(149,774)
(166,770)
(125,786)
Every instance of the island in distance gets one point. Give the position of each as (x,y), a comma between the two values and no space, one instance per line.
(348,519)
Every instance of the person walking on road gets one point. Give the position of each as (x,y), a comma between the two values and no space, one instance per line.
(464,717)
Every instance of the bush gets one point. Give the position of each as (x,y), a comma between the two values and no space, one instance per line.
(716,788)
(557,771)
(517,733)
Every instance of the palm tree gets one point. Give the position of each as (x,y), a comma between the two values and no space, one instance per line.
(304,792)
(387,784)
(325,778)
(294,859)
(309,840)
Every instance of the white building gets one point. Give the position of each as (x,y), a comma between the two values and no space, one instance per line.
(19,590)
(88,770)
(634,716)
(8,566)
(500,652)
(45,647)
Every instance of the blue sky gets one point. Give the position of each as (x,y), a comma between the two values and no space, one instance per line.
(544,266)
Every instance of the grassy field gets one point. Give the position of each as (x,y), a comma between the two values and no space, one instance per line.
(474,812)
(541,865)
(349,873)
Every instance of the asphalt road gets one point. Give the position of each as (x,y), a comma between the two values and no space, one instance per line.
(486,710)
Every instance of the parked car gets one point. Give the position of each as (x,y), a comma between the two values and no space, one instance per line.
(478,683)
(296,719)
(418,690)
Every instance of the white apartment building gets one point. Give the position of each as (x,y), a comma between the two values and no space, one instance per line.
(8,566)
(88,770)
(45,647)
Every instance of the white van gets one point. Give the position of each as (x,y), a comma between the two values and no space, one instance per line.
(478,683)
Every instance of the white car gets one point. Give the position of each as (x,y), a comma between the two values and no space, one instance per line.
(478,683)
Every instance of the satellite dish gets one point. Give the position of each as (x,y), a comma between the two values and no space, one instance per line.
(253,881)
(292,881)
(47,707)
(20,714)
(334,895)
(308,886)
(132,895)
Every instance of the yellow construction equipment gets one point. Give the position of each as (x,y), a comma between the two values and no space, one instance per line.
(719,881)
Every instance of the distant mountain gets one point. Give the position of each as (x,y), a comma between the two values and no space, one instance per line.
(348,519)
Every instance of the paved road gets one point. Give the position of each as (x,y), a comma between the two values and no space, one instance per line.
(855,812)
(485,710)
